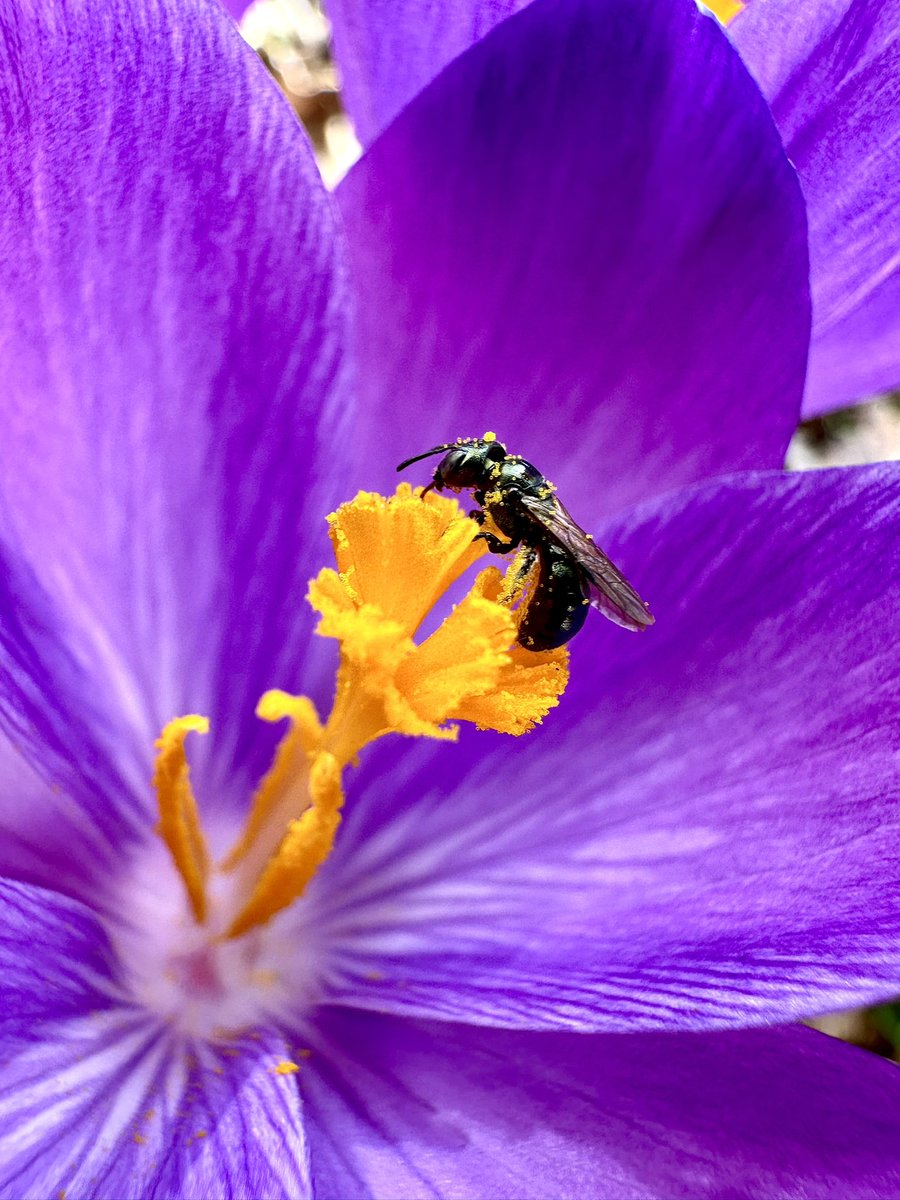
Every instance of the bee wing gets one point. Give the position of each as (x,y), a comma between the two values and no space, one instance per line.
(610,592)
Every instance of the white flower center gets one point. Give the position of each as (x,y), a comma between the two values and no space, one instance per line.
(197,982)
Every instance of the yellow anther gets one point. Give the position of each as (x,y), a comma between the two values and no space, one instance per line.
(282,795)
(294,817)
(725,10)
(179,824)
(396,558)
(303,849)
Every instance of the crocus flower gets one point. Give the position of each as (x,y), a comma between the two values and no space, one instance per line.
(423,990)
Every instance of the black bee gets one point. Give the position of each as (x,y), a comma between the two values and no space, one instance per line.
(572,572)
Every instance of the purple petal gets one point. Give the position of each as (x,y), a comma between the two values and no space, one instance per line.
(830,73)
(73,772)
(172,320)
(109,1106)
(399,1108)
(388,50)
(69,841)
(55,960)
(705,834)
(585,236)
(98,1098)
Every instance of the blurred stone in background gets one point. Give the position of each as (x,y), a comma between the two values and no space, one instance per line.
(863,434)
(875,1029)
(293,38)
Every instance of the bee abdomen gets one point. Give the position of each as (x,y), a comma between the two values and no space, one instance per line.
(558,603)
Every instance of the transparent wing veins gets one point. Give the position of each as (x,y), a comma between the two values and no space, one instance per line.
(610,591)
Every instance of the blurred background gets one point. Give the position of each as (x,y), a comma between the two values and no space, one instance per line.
(292,37)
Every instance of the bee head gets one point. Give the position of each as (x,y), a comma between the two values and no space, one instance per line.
(468,464)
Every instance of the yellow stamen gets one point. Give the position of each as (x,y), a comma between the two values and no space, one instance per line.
(179,824)
(303,849)
(386,682)
(283,794)
(294,817)
(725,10)
(396,558)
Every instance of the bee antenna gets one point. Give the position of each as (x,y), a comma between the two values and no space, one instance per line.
(428,453)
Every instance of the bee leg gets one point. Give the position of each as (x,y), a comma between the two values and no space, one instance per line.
(512,587)
(494,544)
(478,515)
(529,557)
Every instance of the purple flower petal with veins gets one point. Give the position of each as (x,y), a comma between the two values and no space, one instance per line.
(829,71)
(703,835)
(664,259)
(690,841)
(390,51)
(828,68)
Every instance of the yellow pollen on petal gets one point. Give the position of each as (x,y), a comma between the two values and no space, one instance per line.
(179,823)
(725,10)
